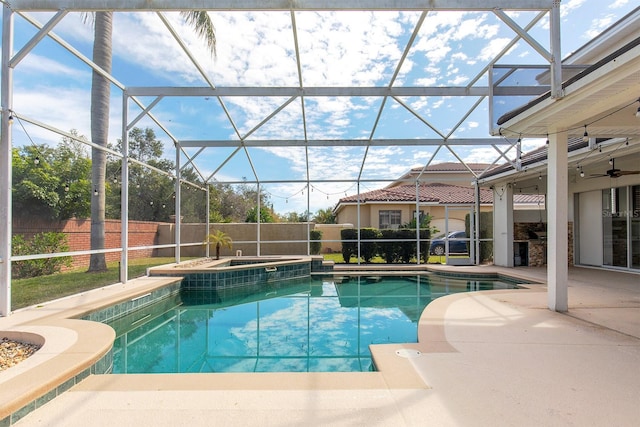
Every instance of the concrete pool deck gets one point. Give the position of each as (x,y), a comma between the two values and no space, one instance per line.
(488,358)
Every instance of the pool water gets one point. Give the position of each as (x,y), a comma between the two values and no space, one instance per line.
(310,325)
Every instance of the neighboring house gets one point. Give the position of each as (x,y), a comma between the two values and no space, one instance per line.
(445,193)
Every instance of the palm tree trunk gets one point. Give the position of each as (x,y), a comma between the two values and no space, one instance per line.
(100,96)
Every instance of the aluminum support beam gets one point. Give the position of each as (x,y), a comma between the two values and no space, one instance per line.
(124,197)
(6,89)
(178,221)
(341,142)
(556,52)
(312,91)
(283,5)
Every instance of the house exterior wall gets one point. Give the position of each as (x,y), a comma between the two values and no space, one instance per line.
(350,216)
(370,214)
(331,233)
(275,238)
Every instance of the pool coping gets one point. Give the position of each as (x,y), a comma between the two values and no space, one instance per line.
(73,346)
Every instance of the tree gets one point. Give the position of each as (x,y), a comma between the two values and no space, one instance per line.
(218,238)
(50,182)
(295,217)
(265,215)
(152,194)
(324,216)
(100,97)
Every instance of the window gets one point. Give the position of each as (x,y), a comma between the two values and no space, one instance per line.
(389,219)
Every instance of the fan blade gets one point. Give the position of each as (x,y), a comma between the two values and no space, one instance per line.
(627,173)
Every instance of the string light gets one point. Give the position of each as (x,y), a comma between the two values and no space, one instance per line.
(95,191)
(66,188)
(10,119)
(585,136)
(581,173)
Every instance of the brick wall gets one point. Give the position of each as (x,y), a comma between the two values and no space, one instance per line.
(78,232)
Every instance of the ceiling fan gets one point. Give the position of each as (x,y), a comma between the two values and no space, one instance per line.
(615,173)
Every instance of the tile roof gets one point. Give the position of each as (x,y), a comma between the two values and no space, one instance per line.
(444,194)
(453,167)
(428,193)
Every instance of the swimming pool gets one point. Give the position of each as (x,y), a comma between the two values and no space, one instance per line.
(302,325)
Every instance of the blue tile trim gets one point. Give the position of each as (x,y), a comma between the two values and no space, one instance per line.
(102,366)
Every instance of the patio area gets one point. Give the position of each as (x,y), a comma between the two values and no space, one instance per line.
(490,358)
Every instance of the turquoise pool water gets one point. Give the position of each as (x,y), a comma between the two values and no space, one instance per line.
(310,325)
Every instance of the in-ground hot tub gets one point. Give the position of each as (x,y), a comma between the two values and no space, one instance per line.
(241,271)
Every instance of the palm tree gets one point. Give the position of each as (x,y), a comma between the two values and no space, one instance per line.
(218,238)
(100,97)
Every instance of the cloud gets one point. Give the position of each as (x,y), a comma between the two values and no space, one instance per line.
(493,48)
(39,65)
(618,4)
(598,25)
(61,107)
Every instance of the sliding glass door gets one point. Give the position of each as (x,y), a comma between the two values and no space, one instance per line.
(635,226)
(621,227)
(614,226)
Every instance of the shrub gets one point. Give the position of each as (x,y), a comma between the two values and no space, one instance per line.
(407,250)
(315,245)
(42,243)
(368,244)
(349,248)
(388,248)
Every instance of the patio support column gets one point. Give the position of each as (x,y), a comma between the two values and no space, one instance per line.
(503,225)
(557,216)
(5,163)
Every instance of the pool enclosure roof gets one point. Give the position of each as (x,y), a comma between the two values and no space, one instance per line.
(335,122)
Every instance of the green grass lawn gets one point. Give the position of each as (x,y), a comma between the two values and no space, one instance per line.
(35,290)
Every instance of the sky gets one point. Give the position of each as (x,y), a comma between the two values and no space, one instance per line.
(336,49)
